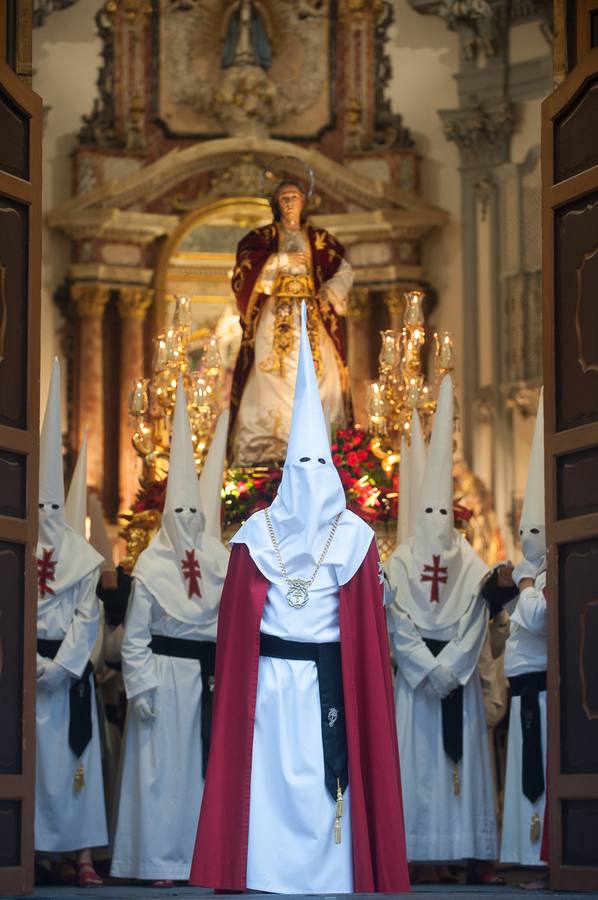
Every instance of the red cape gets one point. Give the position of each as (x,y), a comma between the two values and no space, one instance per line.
(379,855)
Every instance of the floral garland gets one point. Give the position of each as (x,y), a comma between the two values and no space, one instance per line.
(371,493)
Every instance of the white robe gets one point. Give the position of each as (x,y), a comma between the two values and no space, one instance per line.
(264,416)
(161,781)
(525,652)
(440,825)
(66,820)
(288,794)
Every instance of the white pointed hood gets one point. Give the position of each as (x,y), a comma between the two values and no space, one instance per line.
(417,465)
(64,556)
(532,527)
(75,509)
(437,577)
(404,524)
(309,497)
(183,568)
(211,478)
(51,476)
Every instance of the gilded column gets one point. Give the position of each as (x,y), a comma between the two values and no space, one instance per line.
(133,303)
(89,300)
(394,301)
(359,350)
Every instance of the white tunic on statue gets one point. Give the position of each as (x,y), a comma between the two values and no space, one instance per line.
(264,416)
(67,820)
(291,819)
(161,781)
(525,652)
(440,825)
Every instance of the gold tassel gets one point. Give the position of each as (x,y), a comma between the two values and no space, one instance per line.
(79,780)
(534,831)
(456,781)
(339,812)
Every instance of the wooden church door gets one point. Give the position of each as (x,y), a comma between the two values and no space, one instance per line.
(570,266)
(20,272)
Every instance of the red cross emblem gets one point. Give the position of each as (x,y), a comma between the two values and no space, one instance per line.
(191,572)
(437,574)
(46,567)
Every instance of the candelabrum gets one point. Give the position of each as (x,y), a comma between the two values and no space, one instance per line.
(152,399)
(401,385)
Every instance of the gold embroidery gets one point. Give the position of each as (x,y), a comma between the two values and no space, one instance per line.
(320,240)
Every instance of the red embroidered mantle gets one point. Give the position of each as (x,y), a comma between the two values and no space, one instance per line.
(253,253)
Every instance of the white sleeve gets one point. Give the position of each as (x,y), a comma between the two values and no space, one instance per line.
(461,654)
(530,612)
(138,662)
(410,653)
(338,287)
(82,633)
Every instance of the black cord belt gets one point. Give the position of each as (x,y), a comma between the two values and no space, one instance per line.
(528,686)
(327,657)
(205,653)
(79,699)
(452,712)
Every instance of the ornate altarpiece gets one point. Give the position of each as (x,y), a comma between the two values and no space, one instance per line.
(192,104)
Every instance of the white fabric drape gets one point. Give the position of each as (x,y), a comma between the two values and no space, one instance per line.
(288,794)
(440,825)
(161,781)
(67,820)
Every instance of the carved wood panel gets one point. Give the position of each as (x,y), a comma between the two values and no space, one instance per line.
(12,567)
(14,228)
(20,275)
(13,484)
(580,820)
(576,334)
(570,272)
(14,148)
(578,564)
(577,483)
(573,152)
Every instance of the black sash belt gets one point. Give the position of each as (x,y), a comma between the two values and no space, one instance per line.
(205,653)
(528,686)
(79,699)
(452,712)
(327,658)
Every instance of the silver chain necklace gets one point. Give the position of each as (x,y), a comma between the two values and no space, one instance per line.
(298,592)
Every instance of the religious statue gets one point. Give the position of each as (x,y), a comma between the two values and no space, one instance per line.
(277,266)
(246,42)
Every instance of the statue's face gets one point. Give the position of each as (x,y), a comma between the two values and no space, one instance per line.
(291,202)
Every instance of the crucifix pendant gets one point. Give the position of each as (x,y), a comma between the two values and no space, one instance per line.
(298,593)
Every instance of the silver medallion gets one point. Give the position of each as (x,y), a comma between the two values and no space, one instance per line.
(298,592)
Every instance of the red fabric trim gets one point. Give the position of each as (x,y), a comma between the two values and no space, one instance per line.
(379,857)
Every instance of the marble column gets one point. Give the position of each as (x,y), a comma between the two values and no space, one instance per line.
(89,301)
(133,303)
(359,350)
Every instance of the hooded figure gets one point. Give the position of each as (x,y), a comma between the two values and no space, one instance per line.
(168,667)
(525,667)
(75,508)
(293,716)
(417,461)
(438,623)
(69,809)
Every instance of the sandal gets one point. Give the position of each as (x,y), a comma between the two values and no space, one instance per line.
(87,876)
(163,883)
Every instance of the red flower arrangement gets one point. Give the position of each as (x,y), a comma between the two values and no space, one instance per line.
(371,493)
